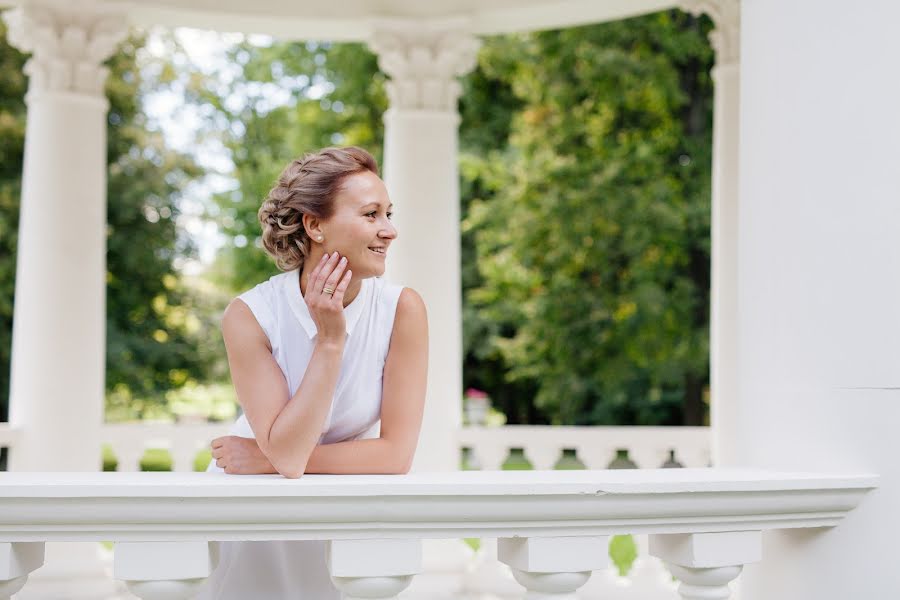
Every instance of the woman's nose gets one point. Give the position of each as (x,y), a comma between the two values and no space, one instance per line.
(389,232)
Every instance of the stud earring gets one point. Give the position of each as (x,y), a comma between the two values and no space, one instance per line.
(319,238)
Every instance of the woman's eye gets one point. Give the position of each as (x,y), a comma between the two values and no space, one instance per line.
(389,215)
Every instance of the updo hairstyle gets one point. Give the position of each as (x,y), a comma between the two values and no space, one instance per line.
(306,186)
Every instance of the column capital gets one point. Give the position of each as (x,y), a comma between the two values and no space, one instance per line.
(423,59)
(726,37)
(68,44)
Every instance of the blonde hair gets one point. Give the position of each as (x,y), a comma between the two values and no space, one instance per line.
(306,186)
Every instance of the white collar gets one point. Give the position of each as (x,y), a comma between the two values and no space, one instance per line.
(352,311)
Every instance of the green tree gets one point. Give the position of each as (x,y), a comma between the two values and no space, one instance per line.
(592,228)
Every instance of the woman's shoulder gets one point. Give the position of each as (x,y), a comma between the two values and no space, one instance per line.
(257,304)
(399,300)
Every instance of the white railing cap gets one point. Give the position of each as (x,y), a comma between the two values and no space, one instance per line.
(208,506)
(460,483)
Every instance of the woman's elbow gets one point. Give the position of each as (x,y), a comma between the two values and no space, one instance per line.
(286,466)
(404,465)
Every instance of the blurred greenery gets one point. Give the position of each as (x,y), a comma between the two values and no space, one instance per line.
(585,170)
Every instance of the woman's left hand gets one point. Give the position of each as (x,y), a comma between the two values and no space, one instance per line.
(240,456)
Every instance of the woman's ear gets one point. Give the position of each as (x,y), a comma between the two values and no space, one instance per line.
(313,227)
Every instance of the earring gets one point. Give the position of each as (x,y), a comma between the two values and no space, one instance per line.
(319,238)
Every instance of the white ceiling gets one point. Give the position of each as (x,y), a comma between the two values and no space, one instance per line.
(351,20)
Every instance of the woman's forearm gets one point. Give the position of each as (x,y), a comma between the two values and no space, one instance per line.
(358,457)
(297,428)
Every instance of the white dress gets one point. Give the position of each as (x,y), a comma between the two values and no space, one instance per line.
(278,570)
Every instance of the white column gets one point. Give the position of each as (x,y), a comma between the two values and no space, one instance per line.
(59,325)
(723,327)
(819,281)
(423,60)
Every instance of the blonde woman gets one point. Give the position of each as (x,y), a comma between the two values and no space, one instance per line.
(328,360)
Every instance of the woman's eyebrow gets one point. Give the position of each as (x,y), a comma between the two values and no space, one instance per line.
(391,205)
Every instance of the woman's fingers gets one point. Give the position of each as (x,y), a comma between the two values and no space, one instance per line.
(314,276)
(334,278)
(324,273)
(342,287)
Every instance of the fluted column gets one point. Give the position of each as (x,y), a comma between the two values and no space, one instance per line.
(58,349)
(723,343)
(705,563)
(423,60)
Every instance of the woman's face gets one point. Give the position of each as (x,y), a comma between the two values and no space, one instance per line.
(360,227)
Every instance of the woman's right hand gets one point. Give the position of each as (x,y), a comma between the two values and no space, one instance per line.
(327,310)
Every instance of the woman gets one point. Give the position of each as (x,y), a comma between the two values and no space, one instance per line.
(320,356)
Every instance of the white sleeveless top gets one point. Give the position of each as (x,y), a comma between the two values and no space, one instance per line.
(297,569)
(282,313)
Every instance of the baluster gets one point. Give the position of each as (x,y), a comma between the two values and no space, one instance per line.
(164,570)
(552,568)
(128,454)
(705,563)
(17,560)
(183,452)
(542,456)
(595,456)
(648,457)
(490,456)
(373,568)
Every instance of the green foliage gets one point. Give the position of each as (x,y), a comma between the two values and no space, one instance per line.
(590,228)
(156,459)
(202,460)
(110,462)
(154,326)
(623,552)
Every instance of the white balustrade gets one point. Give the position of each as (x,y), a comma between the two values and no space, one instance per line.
(164,570)
(596,447)
(129,441)
(552,526)
(17,560)
(705,563)
(553,567)
(373,568)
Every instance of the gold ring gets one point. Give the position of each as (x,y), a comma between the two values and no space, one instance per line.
(328,290)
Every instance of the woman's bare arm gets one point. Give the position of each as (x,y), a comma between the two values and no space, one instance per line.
(287,428)
(402,402)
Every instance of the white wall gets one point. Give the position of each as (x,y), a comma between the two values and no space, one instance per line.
(819,279)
